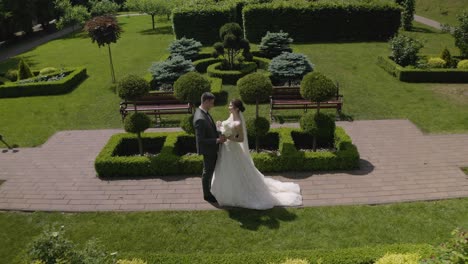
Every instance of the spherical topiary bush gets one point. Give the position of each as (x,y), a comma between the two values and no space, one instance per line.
(257,126)
(190,86)
(12,75)
(317,88)
(254,88)
(436,63)
(187,125)
(131,87)
(48,70)
(137,123)
(463,64)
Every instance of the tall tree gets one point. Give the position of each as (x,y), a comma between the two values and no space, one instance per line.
(72,15)
(150,7)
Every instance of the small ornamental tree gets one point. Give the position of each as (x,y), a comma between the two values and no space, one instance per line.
(137,123)
(187,48)
(104,30)
(447,57)
(24,72)
(290,67)
(233,44)
(103,7)
(150,7)
(131,87)
(256,88)
(167,72)
(275,43)
(460,34)
(405,50)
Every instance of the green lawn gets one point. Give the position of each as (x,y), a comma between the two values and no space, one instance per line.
(369,92)
(238,231)
(444,11)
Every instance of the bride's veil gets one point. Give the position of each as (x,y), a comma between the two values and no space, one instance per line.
(245,143)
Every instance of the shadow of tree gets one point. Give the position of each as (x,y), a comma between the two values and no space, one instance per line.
(12,63)
(424,30)
(167,30)
(254,219)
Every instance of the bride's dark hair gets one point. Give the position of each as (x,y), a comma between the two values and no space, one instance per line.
(238,104)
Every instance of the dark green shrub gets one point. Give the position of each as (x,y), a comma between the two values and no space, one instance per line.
(131,87)
(256,128)
(405,50)
(12,75)
(167,72)
(190,86)
(24,72)
(233,44)
(320,126)
(275,43)
(407,15)
(185,47)
(103,7)
(447,57)
(290,67)
(137,123)
(255,88)
(460,34)
(187,124)
(202,64)
(317,88)
(230,76)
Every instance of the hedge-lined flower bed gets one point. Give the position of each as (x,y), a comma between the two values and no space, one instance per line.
(167,162)
(230,76)
(422,75)
(16,89)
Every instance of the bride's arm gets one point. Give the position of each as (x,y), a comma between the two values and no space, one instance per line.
(239,136)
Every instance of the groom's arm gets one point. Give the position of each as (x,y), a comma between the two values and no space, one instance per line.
(200,130)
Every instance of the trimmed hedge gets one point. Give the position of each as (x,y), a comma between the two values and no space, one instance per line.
(14,89)
(230,76)
(262,63)
(359,255)
(422,75)
(202,22)
(107,164)
(323,21)
(202,65)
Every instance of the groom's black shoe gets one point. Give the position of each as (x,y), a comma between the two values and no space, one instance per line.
(210,199)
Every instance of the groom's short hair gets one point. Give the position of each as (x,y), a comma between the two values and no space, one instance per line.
(207,96)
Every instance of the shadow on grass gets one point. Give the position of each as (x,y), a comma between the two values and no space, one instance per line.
(254,219)
(424,30)
(12,63)
(167,30)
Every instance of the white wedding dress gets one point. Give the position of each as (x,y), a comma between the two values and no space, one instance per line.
(237,182)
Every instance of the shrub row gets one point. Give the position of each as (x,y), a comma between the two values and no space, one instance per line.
(108,164)
(360,255)
(201,65)
(423,75)
(230,77)
(217,90)
(323,21)
(74,77)
(202,22)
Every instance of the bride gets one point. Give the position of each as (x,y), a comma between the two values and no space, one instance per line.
(236,180)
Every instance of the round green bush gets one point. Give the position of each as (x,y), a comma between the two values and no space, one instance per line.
(436,63)
(257,126)
(463,64)
(12,75)
(48,70)
(253,87)
(317,87)
(137,123)
(131,87)
(187,124)
(230,29)
(318,124)
(190,87)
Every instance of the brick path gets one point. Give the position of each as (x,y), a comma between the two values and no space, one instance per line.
(399,163)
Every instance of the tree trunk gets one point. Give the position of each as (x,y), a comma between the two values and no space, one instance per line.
(314,143)
(152,19)
(111,64)
(257,138)
(318,107)
(140,144)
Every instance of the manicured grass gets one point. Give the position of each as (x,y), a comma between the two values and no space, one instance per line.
(238,231)
(444,11)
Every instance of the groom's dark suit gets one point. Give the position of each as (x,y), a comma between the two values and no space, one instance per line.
(206,135)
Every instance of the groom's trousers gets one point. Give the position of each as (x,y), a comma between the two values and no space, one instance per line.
(209,164)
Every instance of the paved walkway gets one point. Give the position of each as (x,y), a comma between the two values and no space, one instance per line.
(427,21)
(399,163)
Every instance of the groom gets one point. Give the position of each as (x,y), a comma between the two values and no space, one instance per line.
(207,139)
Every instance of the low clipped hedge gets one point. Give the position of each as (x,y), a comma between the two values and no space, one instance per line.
(422,75)
(359,255)
(230,76)
(262,63)
(74,77)
(217,90)
(167,162)
(202,64)
(324,20)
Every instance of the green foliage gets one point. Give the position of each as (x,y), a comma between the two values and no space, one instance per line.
(463,64)
(103,30)
(133,261)
(187,48)
(151,7)
(232,46)
(132,87)
(445,55)
(460,34)
(72,15)
(255,88)
(74,77)
(323,20)
(12,75)
(275,43)
(290,67)
(405,50)
(167,72)
(399,259)
(137,122)
(257,126)
(317,87)
(103,7)
(48,70)
(319,125)
(190,86)
(187,125)
(24,72)
(202,65)
(436,63)
(230,76)
(407,15)
(455,251)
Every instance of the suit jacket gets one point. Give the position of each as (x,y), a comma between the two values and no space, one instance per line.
(205,133)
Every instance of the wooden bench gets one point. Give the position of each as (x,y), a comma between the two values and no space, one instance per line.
(289,97)
(157,104)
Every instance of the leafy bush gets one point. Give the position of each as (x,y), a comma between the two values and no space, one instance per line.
(48,70)
(436,63)
(399,259)
(275,43)
(187,124)
(447,57)
(405,50)
(463,64)
(185,47)
(133,261)
(257,127)
(167,72)
(190,87)
(137,123)
(407,15)
(24,72)
(290,67)
(202,65)
(460,34)
(318,88)
(454,251)
(72,15)
(233,44)
(103,7)
(132,87)
(320,126)
(12,75)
